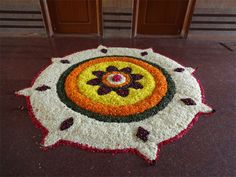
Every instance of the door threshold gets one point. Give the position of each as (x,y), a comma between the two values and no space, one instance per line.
(76,35)
(158,36)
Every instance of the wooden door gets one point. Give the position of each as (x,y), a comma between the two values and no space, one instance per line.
(161,17)
(75,16)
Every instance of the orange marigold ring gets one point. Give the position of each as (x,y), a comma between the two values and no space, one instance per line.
(104,83)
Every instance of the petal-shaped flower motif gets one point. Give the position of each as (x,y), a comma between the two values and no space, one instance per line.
(127,70)
(188,101)
(123,92)
(42,88)
(66,123)
(104,50)
(136,76)
(117,76)
(142,134)
(103,90)
(111,68)
(65,61)
(144,53)
(179,69)
(136,85)
(99,74)
(95,81)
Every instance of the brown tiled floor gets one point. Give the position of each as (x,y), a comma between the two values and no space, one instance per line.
(208,149)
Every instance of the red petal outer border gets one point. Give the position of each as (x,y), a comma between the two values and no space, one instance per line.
(44,131)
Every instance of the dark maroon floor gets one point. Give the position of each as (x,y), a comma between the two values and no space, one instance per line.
(208,149)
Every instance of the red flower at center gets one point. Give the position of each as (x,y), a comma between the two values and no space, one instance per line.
(116,78)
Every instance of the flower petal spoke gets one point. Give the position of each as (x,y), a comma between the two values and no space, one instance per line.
(136,85)
(111,68)
(123,92)
(42,88)
(179,69)
(144,53)
(127,70)
(142,134)
(103,90)
(65,61)
(103,50)
(136,76)
(188,101)
(99,74)
(66,123)
(95,81)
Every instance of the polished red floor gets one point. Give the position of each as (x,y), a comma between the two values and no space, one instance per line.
(208,149)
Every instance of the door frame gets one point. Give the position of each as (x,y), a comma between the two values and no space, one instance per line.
(46,17)
(185,27)
(48,23)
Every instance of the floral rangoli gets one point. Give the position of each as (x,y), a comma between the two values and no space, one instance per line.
(115,99)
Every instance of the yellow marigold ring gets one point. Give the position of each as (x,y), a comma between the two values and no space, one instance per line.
(97,79)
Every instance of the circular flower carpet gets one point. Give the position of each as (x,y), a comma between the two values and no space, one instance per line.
(115,99)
